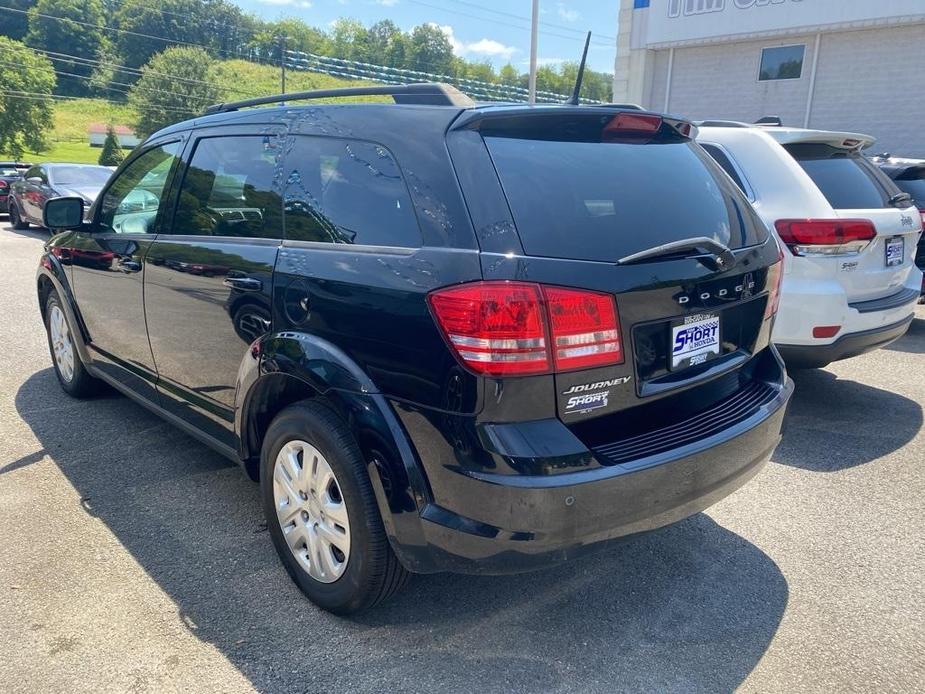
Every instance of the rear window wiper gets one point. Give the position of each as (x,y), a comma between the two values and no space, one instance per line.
(901,200)
(712,253)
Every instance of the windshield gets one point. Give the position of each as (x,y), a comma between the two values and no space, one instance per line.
(607,200)
(80,175)
(6,171)
(846,179)
(916,188)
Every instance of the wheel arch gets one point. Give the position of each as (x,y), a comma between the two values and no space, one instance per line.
(284,368)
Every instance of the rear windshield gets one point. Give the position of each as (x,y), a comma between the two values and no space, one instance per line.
(846,179)
(607,200)
(81,175)
(915,187)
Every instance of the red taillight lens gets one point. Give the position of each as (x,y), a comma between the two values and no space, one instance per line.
(632,124)
(922,212)
(775,277)
(584,328)
(825,236)
(519,328)
(4,185)
(496,328)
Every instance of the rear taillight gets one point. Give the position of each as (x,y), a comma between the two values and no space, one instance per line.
(775,277)
(520,328)
(815,237)
(922,212)
(4,185)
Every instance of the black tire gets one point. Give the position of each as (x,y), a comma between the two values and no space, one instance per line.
(373,572)
(81,384)
(16,220)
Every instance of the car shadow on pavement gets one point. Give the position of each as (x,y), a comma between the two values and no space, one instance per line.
(834,424)
(692,607)
(913,341)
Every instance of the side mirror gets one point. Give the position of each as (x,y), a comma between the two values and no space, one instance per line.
(35,179)
(63,213)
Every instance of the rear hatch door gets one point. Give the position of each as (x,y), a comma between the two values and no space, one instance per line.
(857,189)
(593,201)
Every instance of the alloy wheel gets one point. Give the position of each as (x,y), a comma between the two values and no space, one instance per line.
(61,344)
(311,511)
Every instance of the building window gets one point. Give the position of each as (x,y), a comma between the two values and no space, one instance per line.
(781,63)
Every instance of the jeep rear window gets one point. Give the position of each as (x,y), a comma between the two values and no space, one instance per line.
(846,179)
(606,200)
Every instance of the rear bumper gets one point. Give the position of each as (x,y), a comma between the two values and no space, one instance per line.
(512,523)
(850,345)
(4,204)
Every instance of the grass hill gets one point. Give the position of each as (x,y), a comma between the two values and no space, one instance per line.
(241,79)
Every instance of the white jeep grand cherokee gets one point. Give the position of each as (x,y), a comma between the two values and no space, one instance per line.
(850,284)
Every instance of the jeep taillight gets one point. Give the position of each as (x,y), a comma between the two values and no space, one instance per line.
(521,328)
(825,237)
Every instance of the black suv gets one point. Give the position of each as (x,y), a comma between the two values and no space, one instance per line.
(909,177)
(443,336)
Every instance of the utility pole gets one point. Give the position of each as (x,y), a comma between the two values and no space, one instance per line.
(282,64)
(534,31)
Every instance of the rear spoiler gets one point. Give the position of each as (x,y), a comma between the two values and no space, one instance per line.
(839,140)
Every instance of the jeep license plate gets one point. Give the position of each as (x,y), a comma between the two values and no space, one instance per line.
(694,340)
(895,251)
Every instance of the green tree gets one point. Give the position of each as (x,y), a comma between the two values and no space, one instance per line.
(25,115)
(175,85)
(112,154)
(74,27)
(430,50)
(15,24)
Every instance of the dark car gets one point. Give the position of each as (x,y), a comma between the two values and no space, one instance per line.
(444,337)
(42,182)
(10,172)
(909,177)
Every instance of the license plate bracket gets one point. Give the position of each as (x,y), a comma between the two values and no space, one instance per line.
(895,253)
(695,340)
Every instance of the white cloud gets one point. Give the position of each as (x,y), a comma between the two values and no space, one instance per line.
(567,13)
(488,48)
(387,3)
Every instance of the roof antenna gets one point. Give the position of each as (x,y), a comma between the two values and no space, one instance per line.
(574,101)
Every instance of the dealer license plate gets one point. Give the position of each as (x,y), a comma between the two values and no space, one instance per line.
(895,251)
(695,340)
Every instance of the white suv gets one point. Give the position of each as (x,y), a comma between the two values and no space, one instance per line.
(850,284)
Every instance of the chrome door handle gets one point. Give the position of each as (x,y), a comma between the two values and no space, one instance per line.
(243,284)
(129,265)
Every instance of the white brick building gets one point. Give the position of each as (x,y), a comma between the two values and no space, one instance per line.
(831,64)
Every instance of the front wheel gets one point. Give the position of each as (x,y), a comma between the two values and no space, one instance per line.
(321,511)
(70,370)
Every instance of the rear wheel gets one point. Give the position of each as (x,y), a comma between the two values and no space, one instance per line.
(16,220)
(70,370)
(322,514)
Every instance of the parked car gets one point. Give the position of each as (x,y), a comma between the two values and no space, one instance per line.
(909,177)
(850,284)
(10,172)
(42,182)
(461,353)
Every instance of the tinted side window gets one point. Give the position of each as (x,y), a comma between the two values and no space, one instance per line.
(915,187)
(229,190)
(846,180)
(723,160)
(347,191)
(130,204)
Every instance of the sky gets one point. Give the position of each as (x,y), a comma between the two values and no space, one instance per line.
(493,30)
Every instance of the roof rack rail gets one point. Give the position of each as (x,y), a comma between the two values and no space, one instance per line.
(428,93)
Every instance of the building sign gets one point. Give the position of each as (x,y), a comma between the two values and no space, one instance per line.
(676,21)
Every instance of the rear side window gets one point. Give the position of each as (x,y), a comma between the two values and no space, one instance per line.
(347,191)
(846,179)
(606,200)
(721,158)
(228,190)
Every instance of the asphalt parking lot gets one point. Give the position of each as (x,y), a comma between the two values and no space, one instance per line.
(134,559)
